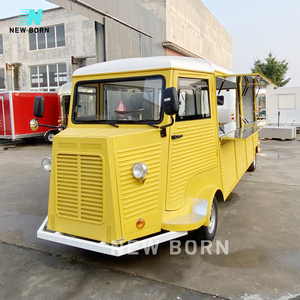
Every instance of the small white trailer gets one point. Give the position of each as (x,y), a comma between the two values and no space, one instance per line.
(283,106)
(283,112)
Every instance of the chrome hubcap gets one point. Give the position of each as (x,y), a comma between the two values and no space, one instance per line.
(50,137)
(212,222)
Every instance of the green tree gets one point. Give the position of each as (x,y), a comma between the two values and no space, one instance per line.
(273,69)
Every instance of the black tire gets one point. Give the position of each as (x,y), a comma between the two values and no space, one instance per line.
(49,136)
(207,233)
(252,167)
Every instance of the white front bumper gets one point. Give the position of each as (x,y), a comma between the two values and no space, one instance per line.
(105,248)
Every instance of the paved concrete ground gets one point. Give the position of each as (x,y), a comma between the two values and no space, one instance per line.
(260,222)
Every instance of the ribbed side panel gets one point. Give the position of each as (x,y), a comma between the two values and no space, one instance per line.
(250,150)
(79,187)
(228,163)
(194,153)
(240,148)
(139,199)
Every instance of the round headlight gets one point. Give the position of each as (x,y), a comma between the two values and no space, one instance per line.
(46,164)
(139,170)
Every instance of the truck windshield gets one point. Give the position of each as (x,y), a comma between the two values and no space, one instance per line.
(120,101)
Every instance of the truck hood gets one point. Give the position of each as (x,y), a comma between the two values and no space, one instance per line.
(104,132)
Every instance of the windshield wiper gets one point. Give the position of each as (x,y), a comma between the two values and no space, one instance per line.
(149,124)
(97,122)
(113,124)
(155,126)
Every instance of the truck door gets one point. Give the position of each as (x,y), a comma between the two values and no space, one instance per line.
(193,138)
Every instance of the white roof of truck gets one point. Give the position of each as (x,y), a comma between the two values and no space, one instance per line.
(148,63)
(65,89)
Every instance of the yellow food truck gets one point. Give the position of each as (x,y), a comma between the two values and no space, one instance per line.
(144,158)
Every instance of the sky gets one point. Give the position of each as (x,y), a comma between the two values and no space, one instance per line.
(8,9)
(256,27)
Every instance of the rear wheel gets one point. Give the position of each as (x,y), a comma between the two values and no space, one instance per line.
(207,233)
(252,167)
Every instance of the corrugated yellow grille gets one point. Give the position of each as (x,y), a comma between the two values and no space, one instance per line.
(79,187)
(138,199)
(194,152)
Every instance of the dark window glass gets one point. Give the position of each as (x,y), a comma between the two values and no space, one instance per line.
(53,75)
(187,103)
(48,77)
(34,77)
(135,100)
(62,74)
(32,41)
(87,97)
(43,76)
(193,99)
(60,35)
(54,38)
(51,38)
(2,79)
(41,40)
(1,44)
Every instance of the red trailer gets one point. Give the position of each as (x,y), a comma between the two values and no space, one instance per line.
(16,111)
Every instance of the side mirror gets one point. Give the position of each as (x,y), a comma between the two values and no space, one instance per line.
(220,100)
(38,106)
(171,103)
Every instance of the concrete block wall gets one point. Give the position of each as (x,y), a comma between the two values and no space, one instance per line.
(191,26)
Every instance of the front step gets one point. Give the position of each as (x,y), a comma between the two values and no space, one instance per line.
(190,221)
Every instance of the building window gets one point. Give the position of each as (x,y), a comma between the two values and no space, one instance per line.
(2,79)
(48,77)
(54,37)
(60,35)
(1,44)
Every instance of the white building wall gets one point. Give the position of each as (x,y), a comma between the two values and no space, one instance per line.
(155,27)
(79,42)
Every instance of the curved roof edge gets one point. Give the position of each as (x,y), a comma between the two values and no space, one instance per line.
(149,63)
(65,89)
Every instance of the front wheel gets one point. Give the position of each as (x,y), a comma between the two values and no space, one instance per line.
(49,136)
(207,233)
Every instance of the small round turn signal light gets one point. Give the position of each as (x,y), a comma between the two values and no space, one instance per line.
(140,223)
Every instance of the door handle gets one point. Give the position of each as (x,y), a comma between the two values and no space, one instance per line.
(178,136)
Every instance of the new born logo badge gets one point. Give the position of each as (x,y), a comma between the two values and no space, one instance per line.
(27,16)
